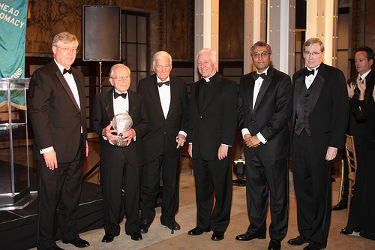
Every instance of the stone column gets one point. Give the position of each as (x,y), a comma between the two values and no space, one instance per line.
(206,29)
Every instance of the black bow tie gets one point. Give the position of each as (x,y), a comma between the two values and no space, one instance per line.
(310,72)
(123,95)
(256,76)
(161,83)
(67,71)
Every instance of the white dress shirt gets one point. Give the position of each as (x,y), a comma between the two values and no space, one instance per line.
(257,86)
(309,79)
(165,99)
(165,96)
(363,76)
(120,105)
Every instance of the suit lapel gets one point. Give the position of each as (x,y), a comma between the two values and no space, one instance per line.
(154,92)
(131,104)
(108,102)
(369,85)
(265,84)
(317,86)
(174,93)
(298,86)
(67,88)
(81,89)
(250,83)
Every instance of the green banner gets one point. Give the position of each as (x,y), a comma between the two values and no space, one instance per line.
(13,17)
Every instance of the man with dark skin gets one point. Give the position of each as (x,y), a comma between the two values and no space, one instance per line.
(265,108)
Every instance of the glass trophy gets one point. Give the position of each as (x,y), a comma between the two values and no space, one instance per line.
(122,123)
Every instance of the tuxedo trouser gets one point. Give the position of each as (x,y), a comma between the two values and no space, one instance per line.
(59,188)
(213,183)
(263,178)
(116,168)
(169,167)
(312,184)
(354,218)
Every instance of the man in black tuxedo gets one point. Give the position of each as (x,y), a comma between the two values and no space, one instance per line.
(318,125)
(213,120)
(58,116)
(364,59)
(117,161)
(265,108)
(165,100)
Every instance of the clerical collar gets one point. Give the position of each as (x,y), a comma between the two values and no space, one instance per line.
(364,75)
(208,79)
(265,71)
(158,79)
(61,68)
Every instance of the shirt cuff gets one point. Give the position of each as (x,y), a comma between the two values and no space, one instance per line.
(46,150)
(182,133)
(261,138)
(226,145)
(244,132)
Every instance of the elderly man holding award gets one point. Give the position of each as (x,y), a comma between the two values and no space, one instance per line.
(120,121)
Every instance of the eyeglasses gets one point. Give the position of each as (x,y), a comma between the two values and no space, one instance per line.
(314,53)
(263,54)
(67,50)
(121,78)
(159,67)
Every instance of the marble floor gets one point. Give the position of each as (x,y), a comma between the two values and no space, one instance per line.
(159,237)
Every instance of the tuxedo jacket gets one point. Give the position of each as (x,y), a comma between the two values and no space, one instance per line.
(55,116)
(357,126)
(329,107)
(214,121)
(270,114)
(364,114)
(103,114)
(161,137)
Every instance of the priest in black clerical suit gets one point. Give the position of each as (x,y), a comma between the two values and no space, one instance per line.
(265,109)
(213,120)
(165,101)
(318,125)
(115,161)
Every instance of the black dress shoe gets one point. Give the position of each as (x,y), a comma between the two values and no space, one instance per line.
(274,245)
(108,238)
(172,226)
(312,246)
(77,242)
(143,228)
(216,236)
(340,206)
(346,231)
(198,231)
(136,236)
(299,240)
(249,236)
